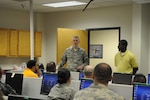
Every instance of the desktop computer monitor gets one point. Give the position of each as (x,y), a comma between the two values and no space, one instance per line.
(148,78)
(81,75)
(15,80)
(141,91)
(122,78)
(85,83)
(48,81)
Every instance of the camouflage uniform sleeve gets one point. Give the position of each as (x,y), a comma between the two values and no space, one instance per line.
(79,96)
(85,60)
(63,59)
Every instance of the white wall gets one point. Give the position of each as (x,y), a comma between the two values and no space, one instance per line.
(145,38)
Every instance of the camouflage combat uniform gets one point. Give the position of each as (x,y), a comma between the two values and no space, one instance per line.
(61,92)
(97,92)
(74,58)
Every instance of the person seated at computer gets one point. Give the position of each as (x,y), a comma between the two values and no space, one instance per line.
(62,91)
(88,70)
(139,78)
(51,67)
(99,89)
(32,69)
(5,88)
(41,66)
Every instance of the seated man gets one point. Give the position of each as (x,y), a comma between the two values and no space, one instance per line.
(6,88)
(98,90)
(88,70)
(32,69)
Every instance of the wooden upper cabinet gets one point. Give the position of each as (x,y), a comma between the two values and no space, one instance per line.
(4,39)
(16,43)
(24,43)
(13,43)
(37,44)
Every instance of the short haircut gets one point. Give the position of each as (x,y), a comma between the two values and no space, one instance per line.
(88,71)
(102,72)
(63,75)
(139,78)
(51,67)
(75,36)
(124,42)
(31,63)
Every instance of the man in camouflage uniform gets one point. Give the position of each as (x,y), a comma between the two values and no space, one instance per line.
(98,90)
(75,56)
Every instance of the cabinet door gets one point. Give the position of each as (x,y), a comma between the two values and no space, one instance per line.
(13,43)
(24,43)
(37,44)
(4,39)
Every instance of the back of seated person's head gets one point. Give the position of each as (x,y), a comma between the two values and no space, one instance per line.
(31,63)
(51,67)
(102,73)
(41,66)
(139,78)
(88,70)
(63,76)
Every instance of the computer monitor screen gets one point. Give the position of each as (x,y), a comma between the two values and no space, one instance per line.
(141,92)
(15,80)
(48,81)
(122,78)
(85,83)
(81,75)
(148,78)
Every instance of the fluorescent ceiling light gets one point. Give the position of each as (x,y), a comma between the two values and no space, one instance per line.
(65,4)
